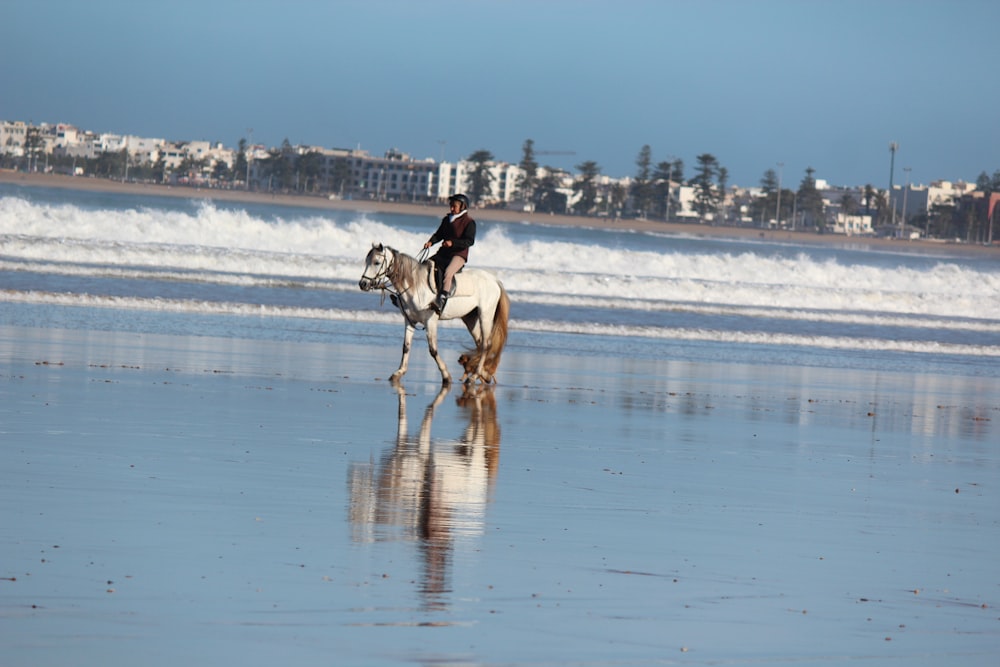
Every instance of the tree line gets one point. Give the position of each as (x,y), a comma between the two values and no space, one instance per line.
(652,193)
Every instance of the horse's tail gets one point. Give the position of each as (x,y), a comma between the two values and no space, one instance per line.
(489,352)
(499,338)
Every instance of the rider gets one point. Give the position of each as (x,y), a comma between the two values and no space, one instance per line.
(456,233)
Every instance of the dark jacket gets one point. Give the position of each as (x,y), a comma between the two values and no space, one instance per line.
(461,233)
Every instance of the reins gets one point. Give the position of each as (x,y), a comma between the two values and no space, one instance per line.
(386,284)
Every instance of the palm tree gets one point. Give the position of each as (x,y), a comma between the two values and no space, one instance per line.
(809,200)
(240,166)
(548,199)
(529,168)
(586,186)
(882,205)
(848,204)
(481,178)
(309,166)
(706,196)
(869,198)
(664,174)
(642,191)
(722,176)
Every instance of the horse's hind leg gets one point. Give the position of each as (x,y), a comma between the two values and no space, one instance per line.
(481,328)
(471,360)
(432,330)
(471,321)
(486,328)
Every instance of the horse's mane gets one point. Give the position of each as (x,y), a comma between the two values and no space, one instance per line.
(404,270)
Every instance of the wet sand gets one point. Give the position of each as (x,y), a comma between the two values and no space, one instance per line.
(190,500)
(494,215)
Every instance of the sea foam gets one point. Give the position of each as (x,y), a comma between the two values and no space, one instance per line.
(215,246)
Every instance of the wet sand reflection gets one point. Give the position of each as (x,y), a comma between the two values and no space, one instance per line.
(432,492)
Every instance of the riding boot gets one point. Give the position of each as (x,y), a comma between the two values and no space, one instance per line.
(442,299)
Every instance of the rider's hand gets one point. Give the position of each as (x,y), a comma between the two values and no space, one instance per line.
(427,245)
(447,244)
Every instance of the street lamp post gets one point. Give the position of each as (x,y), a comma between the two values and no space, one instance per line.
(893,147)
(670,178)
(906,191)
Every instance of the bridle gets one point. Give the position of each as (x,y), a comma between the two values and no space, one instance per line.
(381,278)
(381,281)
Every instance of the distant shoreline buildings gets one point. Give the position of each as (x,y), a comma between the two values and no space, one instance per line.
(908,211)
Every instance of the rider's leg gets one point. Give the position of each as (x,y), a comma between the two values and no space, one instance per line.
(454,266)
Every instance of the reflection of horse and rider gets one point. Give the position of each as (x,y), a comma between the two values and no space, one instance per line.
(429,291)
(432,492)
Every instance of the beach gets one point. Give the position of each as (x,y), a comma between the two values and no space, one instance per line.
(183,499)
(745,453)
(485,214)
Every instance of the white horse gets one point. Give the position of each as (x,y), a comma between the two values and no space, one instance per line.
(479,299)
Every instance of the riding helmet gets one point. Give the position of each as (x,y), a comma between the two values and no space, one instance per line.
(459,198)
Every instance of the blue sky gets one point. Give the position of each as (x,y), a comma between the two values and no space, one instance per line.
(827,84)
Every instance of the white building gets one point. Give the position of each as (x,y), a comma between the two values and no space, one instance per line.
(504,180)
(354,174)
(857,224)
(12,136)
(141,149)
(682,205)
(396,177)
(918,200)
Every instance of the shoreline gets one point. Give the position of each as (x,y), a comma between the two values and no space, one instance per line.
(435,211)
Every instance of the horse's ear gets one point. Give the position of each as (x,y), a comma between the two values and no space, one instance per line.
(376,245)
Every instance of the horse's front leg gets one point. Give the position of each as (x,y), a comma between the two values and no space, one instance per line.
(404,362)
(432,340)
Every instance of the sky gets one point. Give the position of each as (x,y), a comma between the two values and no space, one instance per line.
(759,84)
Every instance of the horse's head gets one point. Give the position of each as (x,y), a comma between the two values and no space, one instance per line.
(377,265)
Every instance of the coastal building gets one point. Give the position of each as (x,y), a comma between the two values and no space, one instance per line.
(173,154)
(355,174)
(70,141)
(917,201)
(682,206)
(397,176)
(12,137)
(852,224)
(142,149)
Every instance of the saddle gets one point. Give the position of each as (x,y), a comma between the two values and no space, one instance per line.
(436,277)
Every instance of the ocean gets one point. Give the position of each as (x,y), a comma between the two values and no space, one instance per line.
(168,265)
(707,450)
